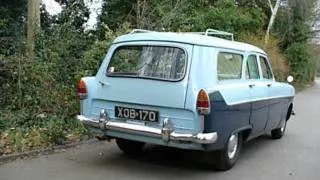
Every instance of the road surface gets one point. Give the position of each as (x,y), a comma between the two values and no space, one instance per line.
(295,157)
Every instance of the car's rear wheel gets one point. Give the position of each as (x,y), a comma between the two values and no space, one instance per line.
(228,156)
(129,147)
(279,132)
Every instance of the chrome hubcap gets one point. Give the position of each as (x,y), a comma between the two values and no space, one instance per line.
(232,146)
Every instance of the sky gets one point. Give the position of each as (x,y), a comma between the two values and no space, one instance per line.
(94,6)
(52,7)
(95,9)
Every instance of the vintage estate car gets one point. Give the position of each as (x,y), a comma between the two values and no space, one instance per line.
(185,90)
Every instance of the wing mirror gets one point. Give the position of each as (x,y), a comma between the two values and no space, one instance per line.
(289,79)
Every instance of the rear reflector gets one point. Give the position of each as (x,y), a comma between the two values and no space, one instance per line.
(203,103)
(82,90)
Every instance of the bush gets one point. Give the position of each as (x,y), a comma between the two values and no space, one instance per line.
(32,85)
(301,64)
(315,57)
(21,131)
(39,102)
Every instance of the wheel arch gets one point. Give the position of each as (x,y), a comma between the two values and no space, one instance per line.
(289,112)
(245,132)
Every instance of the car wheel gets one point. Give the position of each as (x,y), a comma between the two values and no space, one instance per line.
(279,132)
(227,157)
(129,147)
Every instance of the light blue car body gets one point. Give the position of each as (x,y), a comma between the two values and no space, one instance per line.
(235,105)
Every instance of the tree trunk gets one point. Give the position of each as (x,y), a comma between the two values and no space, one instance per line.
(273,17)
(33,25)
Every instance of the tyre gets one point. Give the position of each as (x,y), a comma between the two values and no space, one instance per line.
(227,157)
(129,147)
(279,132)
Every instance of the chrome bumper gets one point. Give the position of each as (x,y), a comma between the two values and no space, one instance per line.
(167,132)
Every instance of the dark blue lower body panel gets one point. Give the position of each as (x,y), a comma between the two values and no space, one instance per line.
(255,117)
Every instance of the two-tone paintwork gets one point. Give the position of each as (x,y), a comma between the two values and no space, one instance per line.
(235,104)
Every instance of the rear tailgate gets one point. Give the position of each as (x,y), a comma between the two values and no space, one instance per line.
(144,92)
(166,96)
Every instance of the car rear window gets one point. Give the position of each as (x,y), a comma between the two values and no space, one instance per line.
(229,66)
(158,62)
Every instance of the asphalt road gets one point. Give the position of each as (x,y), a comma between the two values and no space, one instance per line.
(294,157)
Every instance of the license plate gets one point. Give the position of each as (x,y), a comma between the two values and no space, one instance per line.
(136,114)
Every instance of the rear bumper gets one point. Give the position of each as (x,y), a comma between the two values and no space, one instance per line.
(166,133)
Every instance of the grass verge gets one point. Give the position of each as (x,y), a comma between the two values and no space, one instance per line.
(21,131)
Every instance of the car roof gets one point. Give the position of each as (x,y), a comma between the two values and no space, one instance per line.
(189,38)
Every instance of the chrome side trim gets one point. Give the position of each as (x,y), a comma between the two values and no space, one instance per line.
(166,133)
(257,99)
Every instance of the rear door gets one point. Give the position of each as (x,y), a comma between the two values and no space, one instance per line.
(258,94)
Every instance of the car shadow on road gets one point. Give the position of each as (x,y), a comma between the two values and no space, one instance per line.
(157,158)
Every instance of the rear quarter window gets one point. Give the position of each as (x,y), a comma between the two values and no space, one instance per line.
(229,66)
(265,68)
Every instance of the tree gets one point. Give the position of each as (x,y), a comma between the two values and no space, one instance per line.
(75,14)
(12,26)
(293,27)
(180,15)
(274,11)
(294,22)
(65,41)
(33,25)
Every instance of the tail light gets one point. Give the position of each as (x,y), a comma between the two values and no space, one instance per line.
(203,103)
(82,90)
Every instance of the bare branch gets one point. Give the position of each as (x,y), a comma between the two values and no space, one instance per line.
(271,6)
(272,18)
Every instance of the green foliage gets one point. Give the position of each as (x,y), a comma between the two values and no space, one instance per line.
(183,15)
(48,84)
(75,14)
(277,59)
(38,98)
(114,14)
(225,15)
(21,131)
(315,58)
(64,46)
(291,25)
(12,26)
(95,54)
(294,32)
(302,68)
(34,84)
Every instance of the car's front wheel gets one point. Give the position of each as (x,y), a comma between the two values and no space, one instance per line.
(129,147)
(227,157)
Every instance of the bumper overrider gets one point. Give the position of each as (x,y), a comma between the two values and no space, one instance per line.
(166,133)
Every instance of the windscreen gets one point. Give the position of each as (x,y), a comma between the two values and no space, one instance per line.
(156,62)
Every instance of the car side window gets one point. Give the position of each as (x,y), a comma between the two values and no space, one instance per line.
(252,69)
(265,68)
(229,66)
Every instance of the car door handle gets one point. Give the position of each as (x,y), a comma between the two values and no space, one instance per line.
(252,85)
(104,83)
(269,85)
